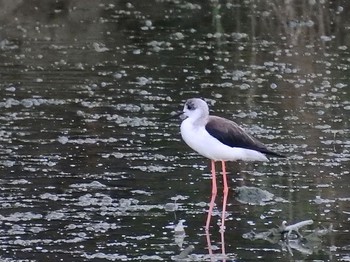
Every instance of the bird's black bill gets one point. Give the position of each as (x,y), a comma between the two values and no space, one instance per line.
(172,116)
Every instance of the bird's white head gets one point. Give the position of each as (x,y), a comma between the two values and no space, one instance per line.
(196,109)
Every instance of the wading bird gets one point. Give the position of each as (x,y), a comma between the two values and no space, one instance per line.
(218,139)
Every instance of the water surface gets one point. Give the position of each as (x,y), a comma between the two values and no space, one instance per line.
(88,170)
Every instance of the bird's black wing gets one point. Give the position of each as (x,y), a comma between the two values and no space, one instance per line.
(230,134)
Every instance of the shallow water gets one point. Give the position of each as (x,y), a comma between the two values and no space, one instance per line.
(90,172)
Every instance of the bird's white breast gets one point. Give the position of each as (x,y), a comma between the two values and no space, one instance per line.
(197,137)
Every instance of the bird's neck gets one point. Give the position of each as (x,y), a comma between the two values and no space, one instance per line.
(201,121)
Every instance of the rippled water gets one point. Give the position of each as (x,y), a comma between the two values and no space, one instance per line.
(88,170)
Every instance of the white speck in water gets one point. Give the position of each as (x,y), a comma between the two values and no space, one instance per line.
(63,140)
(100,47)
(273,86)
(244,86)
(117,75)
(179,36)
(27,102)
(148,23)
(11,89)
(170,207)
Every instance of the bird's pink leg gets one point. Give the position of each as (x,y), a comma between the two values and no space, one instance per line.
(225,195)
(213,194)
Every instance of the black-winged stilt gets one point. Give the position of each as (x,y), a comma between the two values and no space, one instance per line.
(218,139)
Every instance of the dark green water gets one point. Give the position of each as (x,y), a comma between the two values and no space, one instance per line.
(88,170)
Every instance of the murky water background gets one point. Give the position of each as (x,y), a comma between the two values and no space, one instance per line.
(88,170)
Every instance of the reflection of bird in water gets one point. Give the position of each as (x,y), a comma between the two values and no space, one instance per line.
(218,139)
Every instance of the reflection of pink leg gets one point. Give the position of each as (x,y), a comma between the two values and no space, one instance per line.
(210,250)
(223,243)
(209,244)
(213,194)
(225,196)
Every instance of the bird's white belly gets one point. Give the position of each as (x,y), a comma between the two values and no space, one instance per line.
(208,146)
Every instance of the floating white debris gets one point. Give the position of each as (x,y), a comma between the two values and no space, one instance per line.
(161,169)
(136,51)
(326,38)
(8,163)
(179,197)
(29,102)
(148,23)
(63,139)
(244,86)
(124,203)
(80,141)
(117,75)
(7,45)
(93,184)
(100,47)
(110,257)
(19,216)
(11,89)
(178,36)
(49,196)
(128,107)
(180,228)
(55,215)
(143,80)
(141,192)
(170,207)
(20,182)
(273,86)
